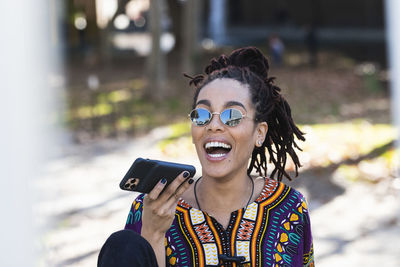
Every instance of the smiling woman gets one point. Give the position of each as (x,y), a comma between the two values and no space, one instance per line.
(229,217)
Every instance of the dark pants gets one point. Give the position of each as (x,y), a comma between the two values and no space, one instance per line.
(126,248)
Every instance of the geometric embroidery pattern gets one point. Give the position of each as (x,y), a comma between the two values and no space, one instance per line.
(183,204)
(268,190)
(204,233)
(245,230)
(211,253)
(251,212)
(243,249)
(196,216)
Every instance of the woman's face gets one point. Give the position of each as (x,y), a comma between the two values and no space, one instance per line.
(225,150)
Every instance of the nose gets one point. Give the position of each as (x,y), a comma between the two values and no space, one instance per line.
(215,124)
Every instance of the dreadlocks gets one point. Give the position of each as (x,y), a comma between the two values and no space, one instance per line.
(249,67)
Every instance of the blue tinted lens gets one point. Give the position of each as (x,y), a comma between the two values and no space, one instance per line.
(200,116)
(231,117)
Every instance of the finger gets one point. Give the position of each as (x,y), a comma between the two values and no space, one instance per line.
(155,192)
(182,188)
(166,207)
(173,200)
(171,189)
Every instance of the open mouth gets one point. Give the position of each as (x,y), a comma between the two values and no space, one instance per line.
(217,149)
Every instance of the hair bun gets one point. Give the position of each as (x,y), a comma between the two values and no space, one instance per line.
(251,58)
(217,64)
(247,57)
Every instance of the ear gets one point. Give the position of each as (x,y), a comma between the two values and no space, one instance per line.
(261,131)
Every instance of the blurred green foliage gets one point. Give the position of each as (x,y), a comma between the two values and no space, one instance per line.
(119,109)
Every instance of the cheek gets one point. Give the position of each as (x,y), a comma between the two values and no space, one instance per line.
(196,133)
(191,132)
(248,140)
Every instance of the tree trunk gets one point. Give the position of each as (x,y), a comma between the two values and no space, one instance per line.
(191,24)
(156,63)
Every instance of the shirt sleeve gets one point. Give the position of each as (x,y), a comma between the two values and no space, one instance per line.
(134,220)
(308,250)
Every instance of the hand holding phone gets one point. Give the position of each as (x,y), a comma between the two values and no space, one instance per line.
(144,174)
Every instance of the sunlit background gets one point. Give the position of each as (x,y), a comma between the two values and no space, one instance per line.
(93,84)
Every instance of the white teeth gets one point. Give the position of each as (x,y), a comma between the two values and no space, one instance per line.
(217,144)
(216,155)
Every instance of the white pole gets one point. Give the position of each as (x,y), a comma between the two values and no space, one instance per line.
(25,28)
(217,21)
(392,10)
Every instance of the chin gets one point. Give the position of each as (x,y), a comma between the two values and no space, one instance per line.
(216,170)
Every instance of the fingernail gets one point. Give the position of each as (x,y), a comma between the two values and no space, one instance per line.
(163,180)
(190,181)
(186,174)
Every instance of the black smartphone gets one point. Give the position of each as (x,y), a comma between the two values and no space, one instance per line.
(144,174)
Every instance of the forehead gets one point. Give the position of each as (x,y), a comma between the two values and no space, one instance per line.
(221,91)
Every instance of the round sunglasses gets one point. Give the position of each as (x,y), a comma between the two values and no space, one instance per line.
(230,117)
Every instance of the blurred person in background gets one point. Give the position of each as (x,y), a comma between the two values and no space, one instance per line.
(311,41)
(228,217)
(277,49)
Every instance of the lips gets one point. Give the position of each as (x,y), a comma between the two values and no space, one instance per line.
(217,149)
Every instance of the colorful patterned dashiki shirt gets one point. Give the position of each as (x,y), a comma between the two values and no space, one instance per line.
(274,231)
